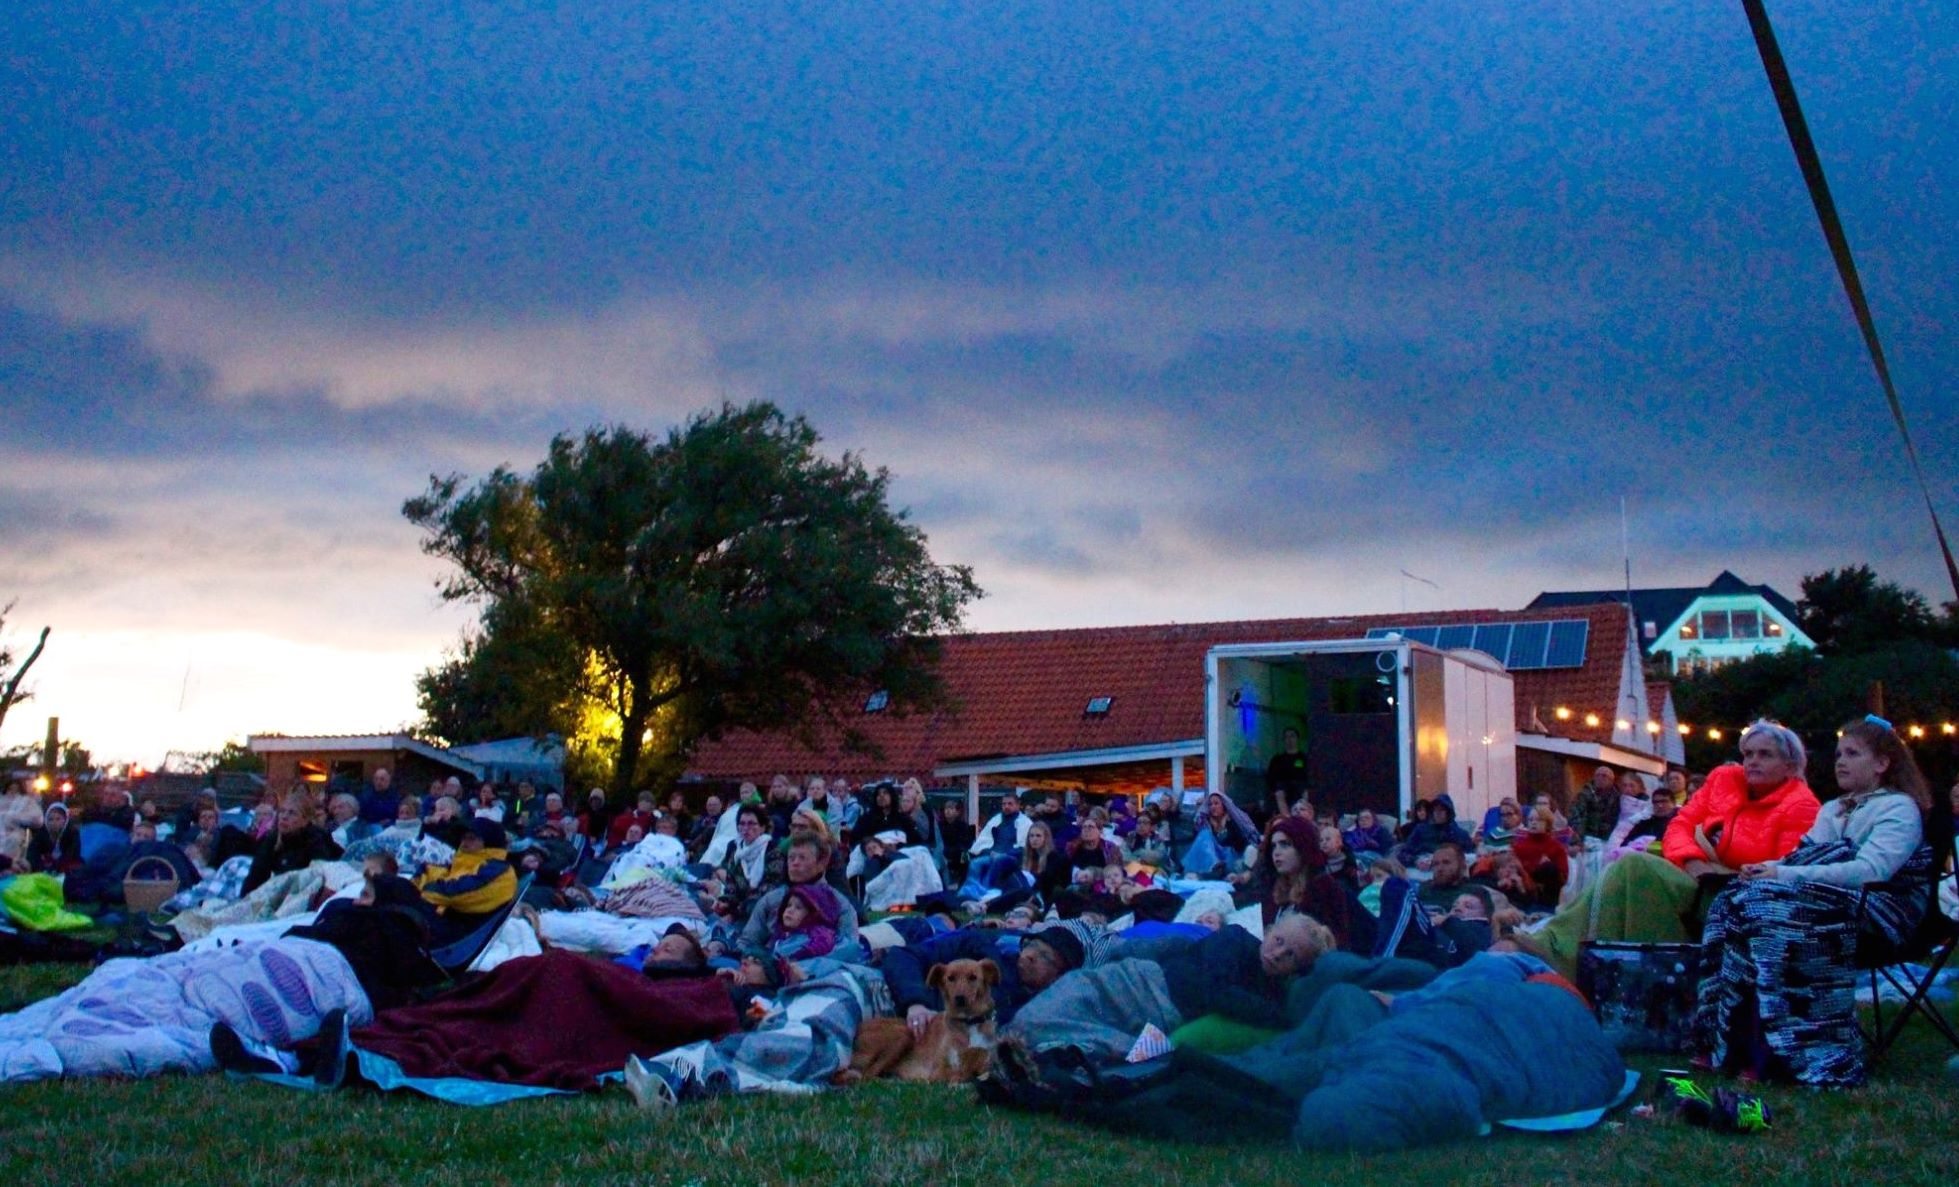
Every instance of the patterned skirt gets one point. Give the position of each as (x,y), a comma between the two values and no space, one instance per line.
(1781,961)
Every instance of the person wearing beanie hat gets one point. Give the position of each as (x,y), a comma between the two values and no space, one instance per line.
(1054,944)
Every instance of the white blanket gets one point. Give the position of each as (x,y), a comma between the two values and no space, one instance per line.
(142,1017)
(904,881)
(598,931)
(655,853)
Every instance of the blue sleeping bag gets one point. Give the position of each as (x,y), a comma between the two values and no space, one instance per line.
(1464,1058)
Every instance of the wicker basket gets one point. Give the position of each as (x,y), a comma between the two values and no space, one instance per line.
(148,894)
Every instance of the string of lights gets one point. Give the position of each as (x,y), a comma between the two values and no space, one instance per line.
(1914,732)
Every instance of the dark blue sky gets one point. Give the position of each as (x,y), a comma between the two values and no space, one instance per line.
(1156,311)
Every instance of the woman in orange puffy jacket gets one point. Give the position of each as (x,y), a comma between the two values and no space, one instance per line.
(1748,812)
(1751,811)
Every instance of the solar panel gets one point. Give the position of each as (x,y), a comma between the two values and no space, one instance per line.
(1520,646)
(1527,646)
(1568,638)
(1493,639)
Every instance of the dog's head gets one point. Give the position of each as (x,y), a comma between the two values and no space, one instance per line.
(966,986)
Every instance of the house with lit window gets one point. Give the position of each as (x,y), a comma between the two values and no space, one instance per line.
(1699,628)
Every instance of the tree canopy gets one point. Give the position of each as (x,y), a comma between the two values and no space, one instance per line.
(1848,611)
(641,594)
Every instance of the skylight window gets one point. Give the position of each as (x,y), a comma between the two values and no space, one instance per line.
(1099,706)
(878,701)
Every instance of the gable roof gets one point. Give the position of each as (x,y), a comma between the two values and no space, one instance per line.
(358,743)
(1663,607)
(1027,692)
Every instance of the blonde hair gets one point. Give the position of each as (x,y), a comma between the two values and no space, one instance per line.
(1027,854)
(804,820)
(1316,935)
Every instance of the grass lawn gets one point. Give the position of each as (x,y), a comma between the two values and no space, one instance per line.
(209,1130)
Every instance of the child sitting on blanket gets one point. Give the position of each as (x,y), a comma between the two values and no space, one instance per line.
(806,924)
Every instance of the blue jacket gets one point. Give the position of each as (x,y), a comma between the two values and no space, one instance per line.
(905,969)
(1222,974)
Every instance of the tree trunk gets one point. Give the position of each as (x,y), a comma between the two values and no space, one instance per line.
(11,694)
(632,733)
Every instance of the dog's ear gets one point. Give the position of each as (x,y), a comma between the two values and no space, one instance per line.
(989,972)
(935,976)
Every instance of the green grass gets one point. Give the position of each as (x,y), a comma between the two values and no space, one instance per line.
(209,1130)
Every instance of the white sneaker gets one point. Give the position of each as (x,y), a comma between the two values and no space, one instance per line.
(652,1086)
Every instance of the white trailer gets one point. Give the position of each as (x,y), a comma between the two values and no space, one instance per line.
(1383,722)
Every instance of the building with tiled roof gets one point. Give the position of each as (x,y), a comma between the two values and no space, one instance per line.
(350,760)
(1122,708)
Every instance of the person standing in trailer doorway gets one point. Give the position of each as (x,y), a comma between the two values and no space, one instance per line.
(1285,775)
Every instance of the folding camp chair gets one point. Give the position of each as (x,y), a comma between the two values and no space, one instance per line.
(1912,968)
(456,956)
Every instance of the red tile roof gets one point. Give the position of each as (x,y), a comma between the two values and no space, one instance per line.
(1026,692)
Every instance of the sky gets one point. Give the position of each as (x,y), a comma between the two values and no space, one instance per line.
(1155,311)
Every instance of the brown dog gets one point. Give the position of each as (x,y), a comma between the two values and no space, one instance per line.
(955,1045)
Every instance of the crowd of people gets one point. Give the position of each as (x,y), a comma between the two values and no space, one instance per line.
(1103,921)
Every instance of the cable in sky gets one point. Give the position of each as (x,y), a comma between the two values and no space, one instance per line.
(1826,212)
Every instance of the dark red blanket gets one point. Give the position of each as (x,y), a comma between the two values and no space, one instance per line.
(550,1021)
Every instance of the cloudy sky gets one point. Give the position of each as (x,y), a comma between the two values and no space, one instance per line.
(1157,311)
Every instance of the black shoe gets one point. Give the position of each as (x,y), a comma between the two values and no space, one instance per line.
(229,1050)
(335,1049)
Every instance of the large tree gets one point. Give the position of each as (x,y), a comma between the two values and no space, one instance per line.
(728,575)
(1849,610)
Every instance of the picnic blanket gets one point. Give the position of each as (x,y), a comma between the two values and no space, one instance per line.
(142,1017)
(556,1020)
(287,896)
(412,851)
(224,885)
(652,898)
(804,1041)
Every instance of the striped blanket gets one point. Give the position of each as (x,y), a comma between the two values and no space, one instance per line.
(804,1041)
